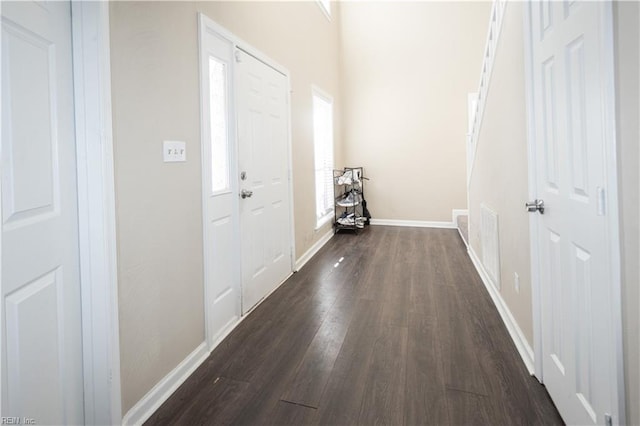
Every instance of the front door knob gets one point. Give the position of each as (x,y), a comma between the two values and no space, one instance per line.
(245,193)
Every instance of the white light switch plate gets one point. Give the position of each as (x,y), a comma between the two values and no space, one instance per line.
(174,151)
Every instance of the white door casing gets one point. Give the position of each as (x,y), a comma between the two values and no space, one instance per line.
(263,162)
(574,255)
(41,326)
(96,208)
(220,199)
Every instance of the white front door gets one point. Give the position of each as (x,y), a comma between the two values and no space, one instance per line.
(264,176)
(220,190)
(41,322)
(569,64)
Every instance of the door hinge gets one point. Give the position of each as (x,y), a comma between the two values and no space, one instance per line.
(607,419)
(238,56)
(601,201)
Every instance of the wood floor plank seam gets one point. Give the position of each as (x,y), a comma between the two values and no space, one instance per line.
(466,391)
(297,403)
(231,378)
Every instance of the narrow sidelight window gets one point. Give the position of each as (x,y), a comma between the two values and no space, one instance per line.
(219,127)
(323,144)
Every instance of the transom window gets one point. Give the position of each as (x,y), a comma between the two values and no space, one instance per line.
(325,5)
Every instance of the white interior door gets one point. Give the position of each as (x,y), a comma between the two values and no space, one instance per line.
(41,325)
(221,245)
(569,86)
(265,220)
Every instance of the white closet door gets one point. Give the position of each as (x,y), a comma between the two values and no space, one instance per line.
(41,340)
(569,64)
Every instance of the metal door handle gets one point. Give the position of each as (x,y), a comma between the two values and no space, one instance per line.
(535,206)
(245,193)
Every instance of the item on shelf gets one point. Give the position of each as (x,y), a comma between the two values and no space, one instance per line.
(348,177)
(351,220)
(353,198)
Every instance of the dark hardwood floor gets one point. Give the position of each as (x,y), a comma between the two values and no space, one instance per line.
(401,331)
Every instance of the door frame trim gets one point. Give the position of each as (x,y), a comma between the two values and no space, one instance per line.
(532,191)
(239,44)
(611,176)
(96,212)
(613,208)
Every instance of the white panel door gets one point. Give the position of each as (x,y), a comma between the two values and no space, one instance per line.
(568,92)
(41,328)
(221,245)
(263,163)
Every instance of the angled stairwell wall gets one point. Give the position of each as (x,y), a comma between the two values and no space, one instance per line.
(498,179)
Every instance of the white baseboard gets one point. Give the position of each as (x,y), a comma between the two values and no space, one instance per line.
(454,218)
(524,349)
(141,412)
(462,238)
(458,212)
(313,250)
(413,223)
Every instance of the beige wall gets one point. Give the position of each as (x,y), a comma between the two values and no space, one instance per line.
(154,52)
(503,184)
(407,68)
(627,51)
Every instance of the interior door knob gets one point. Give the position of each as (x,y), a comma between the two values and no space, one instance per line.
(245,193)
(535,206)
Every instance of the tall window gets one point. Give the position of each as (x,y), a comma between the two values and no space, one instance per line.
(323,150)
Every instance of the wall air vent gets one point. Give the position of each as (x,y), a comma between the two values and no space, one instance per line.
(490,244)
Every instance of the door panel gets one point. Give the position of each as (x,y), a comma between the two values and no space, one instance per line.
(31,183)
(568,83)
(41,342)
(263,153)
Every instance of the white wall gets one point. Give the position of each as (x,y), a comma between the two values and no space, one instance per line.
(407,68)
